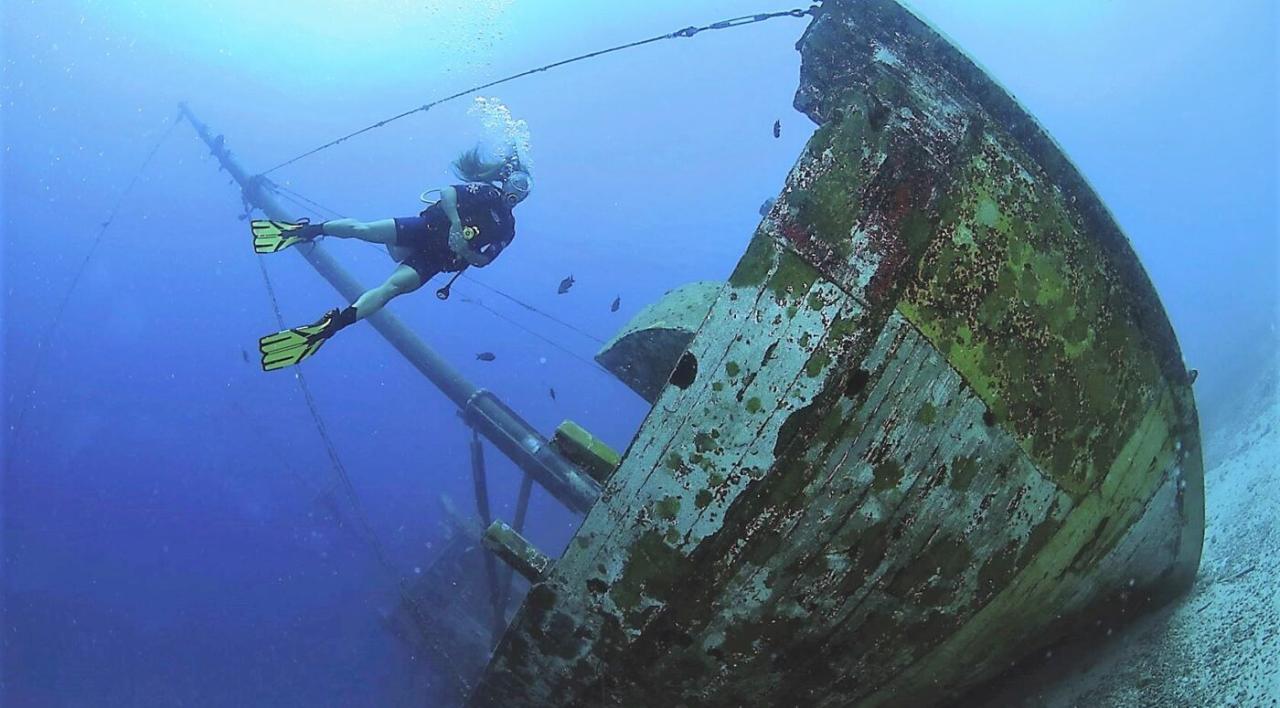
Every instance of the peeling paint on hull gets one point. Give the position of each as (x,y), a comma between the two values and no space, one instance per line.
(939,420)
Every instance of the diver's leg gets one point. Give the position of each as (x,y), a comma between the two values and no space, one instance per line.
(399,254)
(382,231)
(293,345)
(403,279)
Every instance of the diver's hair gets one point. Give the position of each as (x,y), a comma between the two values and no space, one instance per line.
(474,166)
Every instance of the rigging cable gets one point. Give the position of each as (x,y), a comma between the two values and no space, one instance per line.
(315,206)
(685,32)
(367,532)
(548,340)
(300,205)
(44,340)
(535,310)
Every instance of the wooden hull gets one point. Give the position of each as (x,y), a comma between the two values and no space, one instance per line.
(939,420)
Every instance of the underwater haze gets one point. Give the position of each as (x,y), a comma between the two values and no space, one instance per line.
(174,524)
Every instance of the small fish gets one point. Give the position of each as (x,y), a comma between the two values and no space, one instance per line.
(486,356)
(565,285)
(244,354)
(553,393)
(777,129)
(617,302)
(768,204)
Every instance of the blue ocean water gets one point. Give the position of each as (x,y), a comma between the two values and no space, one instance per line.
(162,543)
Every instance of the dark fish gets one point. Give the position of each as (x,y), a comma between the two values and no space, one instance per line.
(617,302)
(244,355)
(768,204)
(553,393)
(486,356)
(565,285)
(777,129)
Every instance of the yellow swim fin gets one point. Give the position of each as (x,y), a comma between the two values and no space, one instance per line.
(293,345)
(270,236)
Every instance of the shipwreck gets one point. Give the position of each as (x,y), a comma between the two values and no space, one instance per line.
(935,420)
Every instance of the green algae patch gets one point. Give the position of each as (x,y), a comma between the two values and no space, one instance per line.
(828,208)
(817,363)
(755,264)
(886,475)
(732,369)
(749,639)
(668,508)
(1033,314)
(703,441)
(927,414)
(946,557)
(794,277)
(988,213)
(754,405)
(917,231)
(651,569)
(963,470)
(995,572)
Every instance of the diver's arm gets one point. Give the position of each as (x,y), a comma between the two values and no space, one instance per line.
(449,202)
(472,256)
(463,249)
(457,243)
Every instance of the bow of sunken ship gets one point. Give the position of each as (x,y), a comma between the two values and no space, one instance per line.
(936,420)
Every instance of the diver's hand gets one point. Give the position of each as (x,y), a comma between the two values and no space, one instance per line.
(457,241)
(461,248)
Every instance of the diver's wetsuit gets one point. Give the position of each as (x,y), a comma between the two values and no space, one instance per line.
(480,206)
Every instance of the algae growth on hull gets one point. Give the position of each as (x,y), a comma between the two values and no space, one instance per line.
(938,416)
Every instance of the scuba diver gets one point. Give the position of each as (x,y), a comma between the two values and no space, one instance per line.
(468,226)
